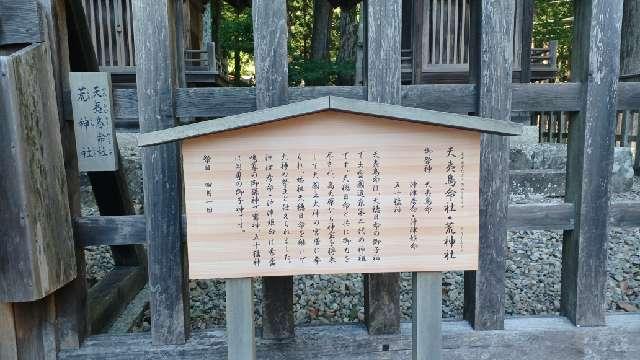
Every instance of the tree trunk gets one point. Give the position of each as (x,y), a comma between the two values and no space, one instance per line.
(320,33)
(216,20)
(237,65)
(348,42)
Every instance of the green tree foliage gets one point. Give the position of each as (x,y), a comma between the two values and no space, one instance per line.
(553,21)
(236,36)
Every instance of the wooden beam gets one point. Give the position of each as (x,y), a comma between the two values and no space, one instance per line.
(456,98)
(490,66)
(119,230)
(111,295)
(383,33)
(19,22)
(270,26)
(595,63)
(155,47)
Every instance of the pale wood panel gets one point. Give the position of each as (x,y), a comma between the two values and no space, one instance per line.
(96,144)
(218,248)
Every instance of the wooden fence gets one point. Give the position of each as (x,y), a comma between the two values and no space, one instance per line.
(161,100)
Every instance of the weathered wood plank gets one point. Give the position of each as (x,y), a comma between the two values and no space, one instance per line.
(155,47)
(37,253)
(383,81)
(427,316)
(111,230)
(270,22)
(491,66)
(595,63)
(240,328)
(541,217)
(19,22)
(119,230)
(8,344)
(456,98)
(70,301)
(527,338)
(35,329)
(110,296)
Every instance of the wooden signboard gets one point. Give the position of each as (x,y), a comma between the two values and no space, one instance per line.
(329,189)
(96,145)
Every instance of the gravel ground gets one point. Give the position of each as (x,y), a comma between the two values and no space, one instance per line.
(532,278)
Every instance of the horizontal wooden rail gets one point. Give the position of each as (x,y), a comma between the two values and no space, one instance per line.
(457,98)
(124,230)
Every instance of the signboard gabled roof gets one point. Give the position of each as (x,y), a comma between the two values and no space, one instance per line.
(395,112)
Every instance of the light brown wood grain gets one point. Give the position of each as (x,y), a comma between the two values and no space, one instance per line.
(218,248)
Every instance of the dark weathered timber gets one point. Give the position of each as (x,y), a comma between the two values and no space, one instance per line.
(630,59)
(270,21)
(8,344)
(35,331)
(70,301)
(595,63)
(416,45)
(456,98)
(526,30)
(541,217)
(111,230)
(490,66)
(530,338)
(19,22)
(109,187)
(383,31)
(119,230)
(110,296)
(37,250)
(156,80)
(624,214)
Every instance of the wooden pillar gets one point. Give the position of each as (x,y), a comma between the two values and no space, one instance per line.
(525,47)
(417,33)
(270,27)
(155,47)
(382,27)
(595,63)
(630,60)
(491,67)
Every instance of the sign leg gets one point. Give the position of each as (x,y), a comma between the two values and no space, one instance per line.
(427,316)
(241,343)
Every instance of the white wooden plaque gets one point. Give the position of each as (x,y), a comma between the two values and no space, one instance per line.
(331,192)
(96,144)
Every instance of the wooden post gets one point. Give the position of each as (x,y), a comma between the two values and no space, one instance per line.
(490,66)
(525,47)
(427,316)
(416,40)
(270,26)
(382,291)
(630,60)
(155,47)
(595,63)
(241,344)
